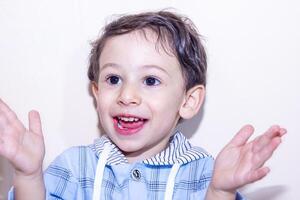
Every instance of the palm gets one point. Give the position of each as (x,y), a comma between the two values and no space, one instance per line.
(25,153)
(240,163)
(24,148)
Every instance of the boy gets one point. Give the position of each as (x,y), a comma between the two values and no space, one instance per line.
(147,72)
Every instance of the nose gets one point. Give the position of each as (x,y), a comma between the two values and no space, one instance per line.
(129,95)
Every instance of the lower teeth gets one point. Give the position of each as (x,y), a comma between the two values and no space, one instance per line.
(119,126)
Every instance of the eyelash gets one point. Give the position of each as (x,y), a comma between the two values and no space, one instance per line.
(108,79)
(157,81)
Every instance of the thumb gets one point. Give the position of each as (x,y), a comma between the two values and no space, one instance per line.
(35,125)
(242,136)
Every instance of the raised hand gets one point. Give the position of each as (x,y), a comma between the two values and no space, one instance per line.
(241,162)
(23,147)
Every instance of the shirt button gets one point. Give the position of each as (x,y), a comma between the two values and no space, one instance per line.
(136,174)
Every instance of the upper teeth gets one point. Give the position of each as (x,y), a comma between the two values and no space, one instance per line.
(129,119)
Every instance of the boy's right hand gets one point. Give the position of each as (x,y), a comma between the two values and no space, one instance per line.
(23,147)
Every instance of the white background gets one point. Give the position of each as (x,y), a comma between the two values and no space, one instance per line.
(253,76)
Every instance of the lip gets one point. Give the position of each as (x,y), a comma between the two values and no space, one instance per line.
(131,128)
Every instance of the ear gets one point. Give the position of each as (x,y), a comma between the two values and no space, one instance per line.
(95,90)
(192,103)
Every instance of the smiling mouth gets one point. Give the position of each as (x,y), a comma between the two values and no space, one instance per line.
(128,124)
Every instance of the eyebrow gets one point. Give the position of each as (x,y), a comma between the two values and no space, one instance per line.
(109,65)
(156,67)
(114,65)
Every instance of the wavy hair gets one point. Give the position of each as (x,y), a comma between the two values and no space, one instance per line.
(176,33)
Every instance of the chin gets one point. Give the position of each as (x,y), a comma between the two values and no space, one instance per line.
(129,148)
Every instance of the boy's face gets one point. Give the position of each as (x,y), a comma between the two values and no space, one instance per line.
(139,94)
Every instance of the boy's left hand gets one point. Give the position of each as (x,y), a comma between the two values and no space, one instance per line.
(242,162)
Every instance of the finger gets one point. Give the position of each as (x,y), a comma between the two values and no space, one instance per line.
(273,131)
(8,114)
(4,108)
(276,130)
(265,139)
(282,131)
(257,174)
(260,142)
(1,146)
(10,123)
(262,156)
(3,123)
(35,122)
(242,136)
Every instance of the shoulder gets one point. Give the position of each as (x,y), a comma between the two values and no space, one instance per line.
(179,150)
(188,153)
(71,171)
(74,156)
(202,164)
(198,163)
(73,163)
(195,175)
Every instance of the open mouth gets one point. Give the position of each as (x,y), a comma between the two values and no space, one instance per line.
(127,125)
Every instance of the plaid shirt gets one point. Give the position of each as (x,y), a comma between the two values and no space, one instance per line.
(71,175)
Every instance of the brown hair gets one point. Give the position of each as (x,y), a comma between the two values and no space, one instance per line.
(173,30)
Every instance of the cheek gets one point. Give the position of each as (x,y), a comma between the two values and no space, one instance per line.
(103,110)
(168,103)
(104,101)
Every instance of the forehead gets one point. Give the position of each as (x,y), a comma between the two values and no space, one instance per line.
(140,47)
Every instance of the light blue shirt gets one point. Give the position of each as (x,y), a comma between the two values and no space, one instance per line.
(71,175)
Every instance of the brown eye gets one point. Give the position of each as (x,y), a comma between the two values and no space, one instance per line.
(113,80)
(151,81)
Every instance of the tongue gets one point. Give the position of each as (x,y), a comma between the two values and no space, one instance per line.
(131,125)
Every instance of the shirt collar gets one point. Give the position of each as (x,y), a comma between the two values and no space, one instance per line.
(179,150)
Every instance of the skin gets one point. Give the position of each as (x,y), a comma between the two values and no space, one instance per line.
(130,60)
(242,162)
(239,163)
(25,149)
